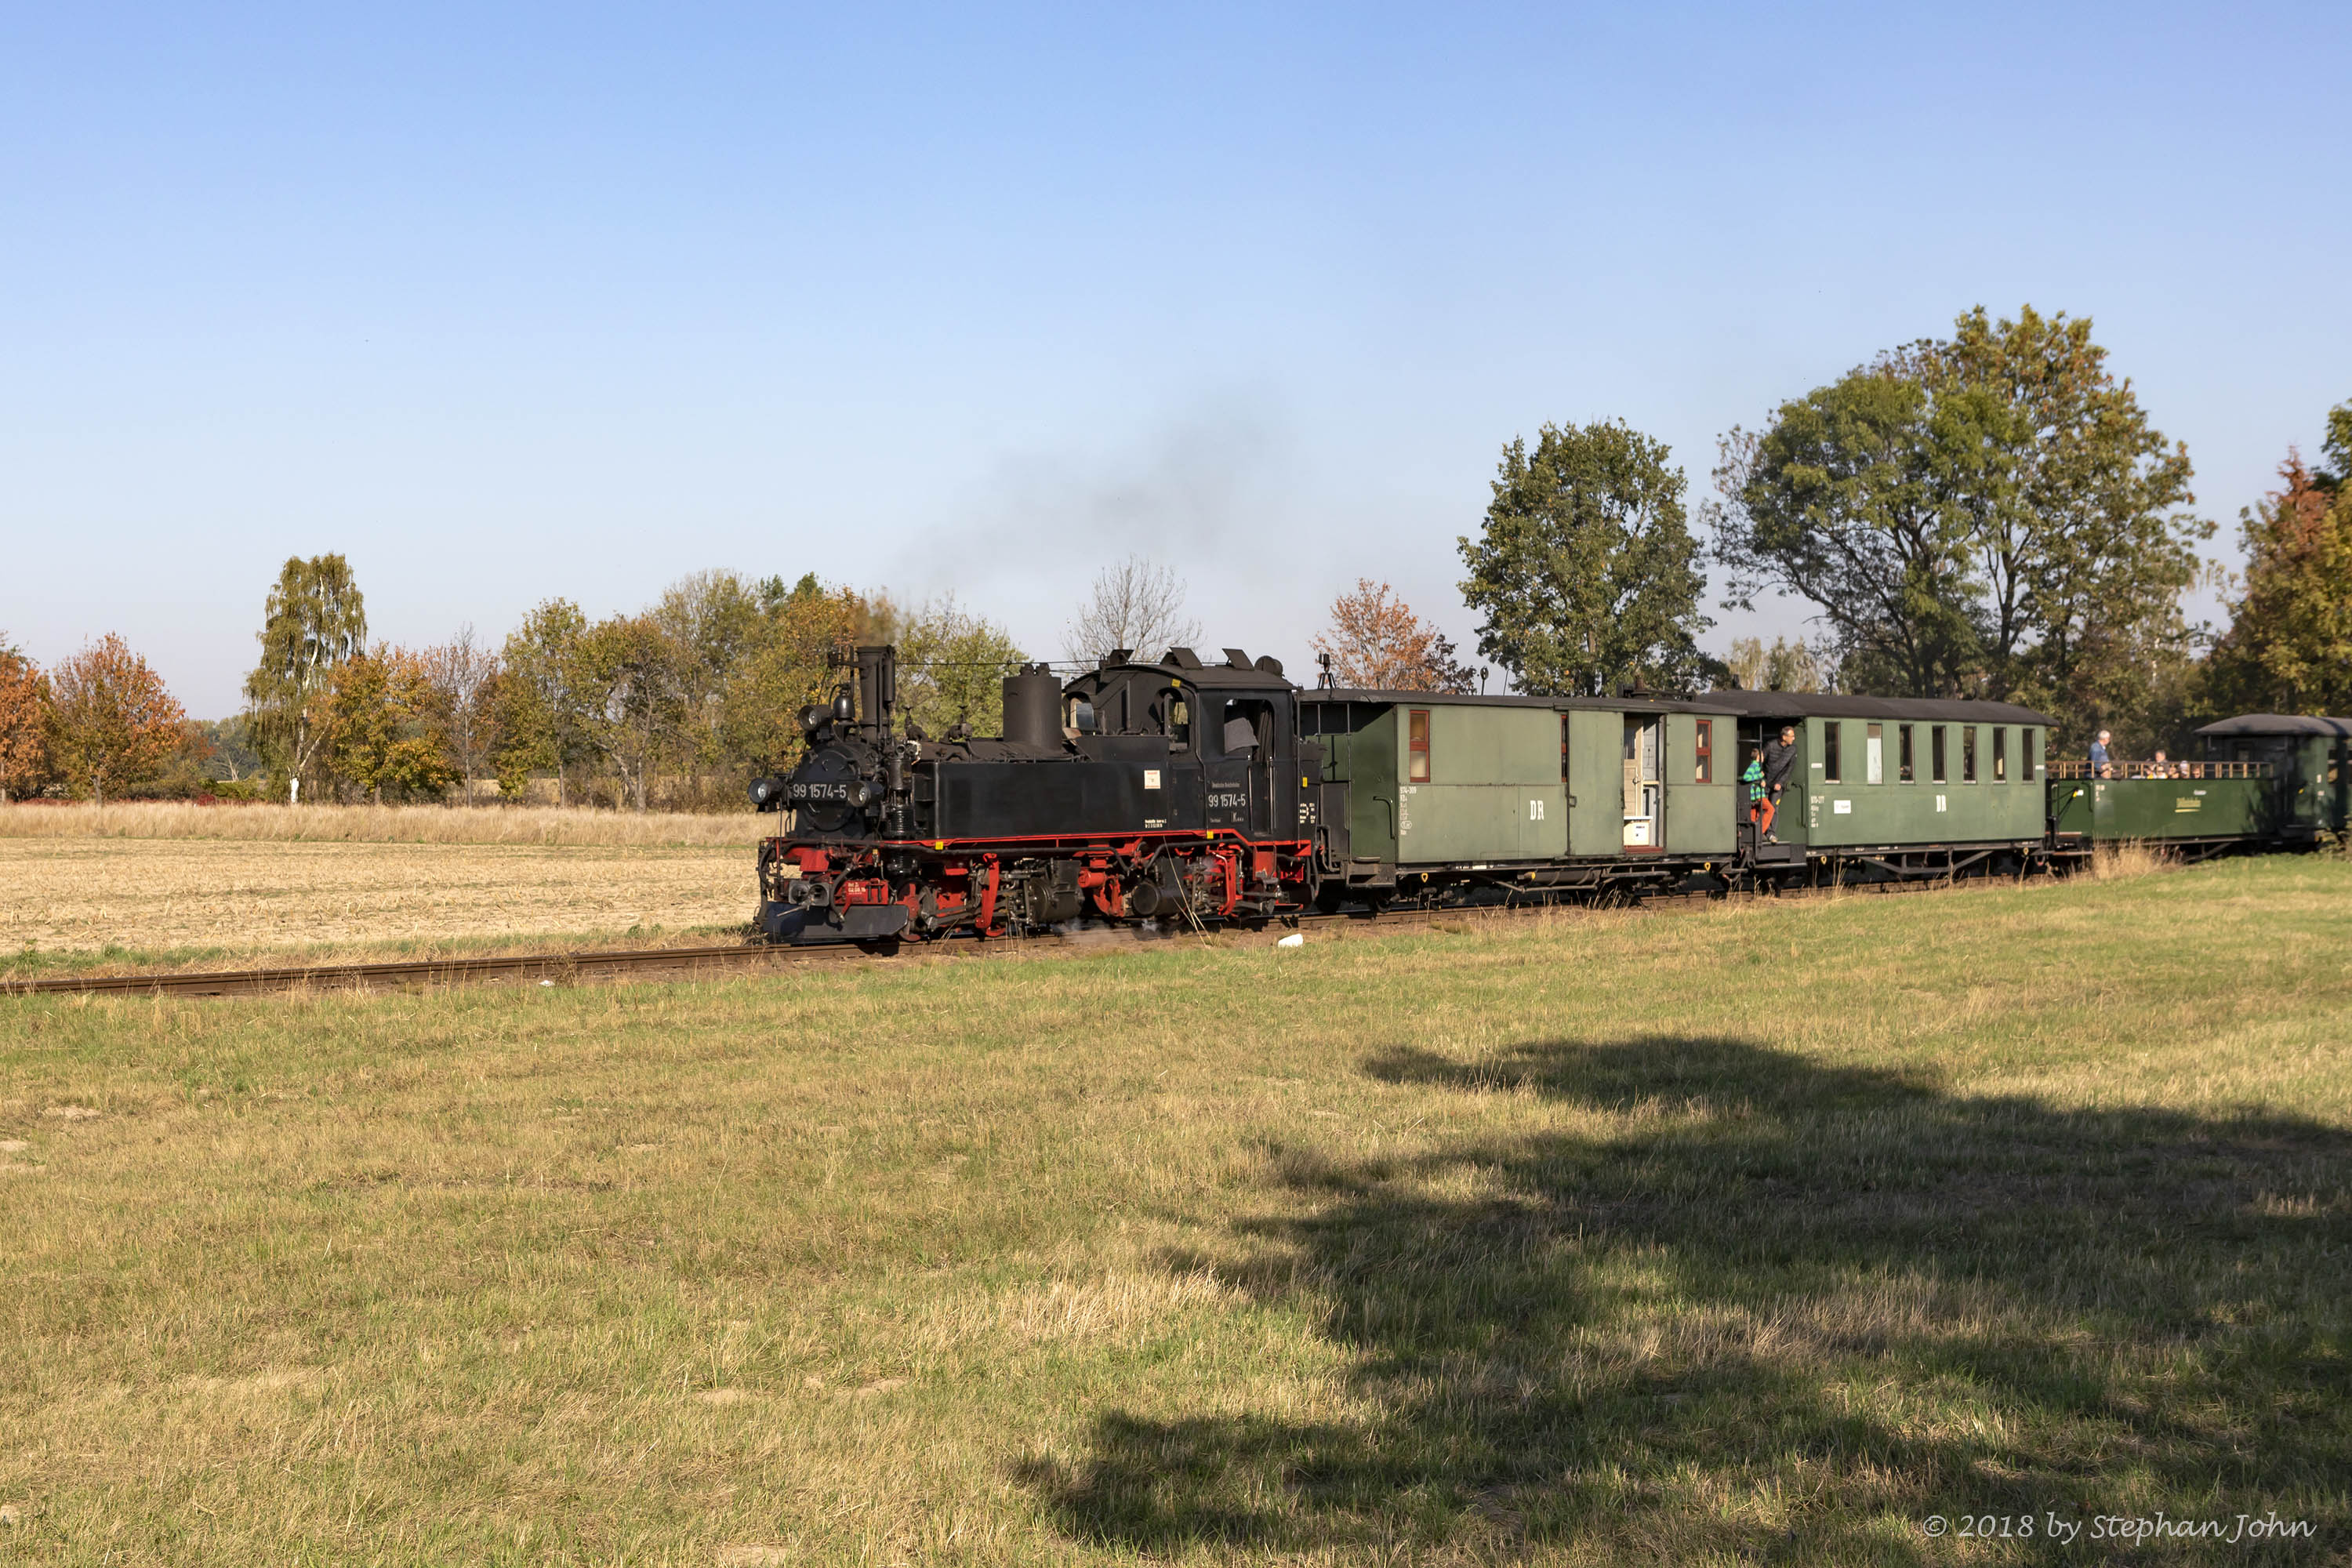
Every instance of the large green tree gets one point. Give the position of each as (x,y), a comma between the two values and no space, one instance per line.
(632,700)
(713,620)
(313,621)
(1585,572)
(2083,540)
(1842,501)
(2289,646)
(386,737)
(538,713)
(1991,514)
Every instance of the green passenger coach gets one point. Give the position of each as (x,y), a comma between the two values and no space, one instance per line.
(1900,786)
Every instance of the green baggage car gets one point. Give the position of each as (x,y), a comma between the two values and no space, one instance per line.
(1529,793)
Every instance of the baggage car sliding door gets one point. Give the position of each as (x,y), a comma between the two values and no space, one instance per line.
(1591,749)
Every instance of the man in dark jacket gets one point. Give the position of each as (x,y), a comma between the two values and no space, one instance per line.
(1780,762)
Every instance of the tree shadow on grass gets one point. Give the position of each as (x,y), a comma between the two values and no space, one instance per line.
(1771,1310)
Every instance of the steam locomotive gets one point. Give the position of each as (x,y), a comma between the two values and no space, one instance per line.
(1178,790)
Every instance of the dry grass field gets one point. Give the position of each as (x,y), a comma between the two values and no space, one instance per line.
(382,825)
(1762,1234)
(170,886)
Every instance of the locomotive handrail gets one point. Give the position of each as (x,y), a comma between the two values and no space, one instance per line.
(2169,769)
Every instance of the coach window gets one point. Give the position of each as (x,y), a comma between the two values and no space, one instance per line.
(1903,754)
(2025,756)
(1874,755)
(1999,754)
(1563,748)
(1704,774)
(1935,752)
(1417,742)
(1967,753)
(1832,743)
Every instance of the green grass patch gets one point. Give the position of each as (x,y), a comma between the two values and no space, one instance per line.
(1759,1234)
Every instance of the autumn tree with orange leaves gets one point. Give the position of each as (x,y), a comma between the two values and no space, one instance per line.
(110,720)
(1377,644)
(24,720)
(2289,646)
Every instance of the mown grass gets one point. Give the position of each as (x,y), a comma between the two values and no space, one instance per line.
(1754,1235)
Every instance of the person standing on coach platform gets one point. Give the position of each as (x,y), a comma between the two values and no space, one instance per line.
(1780,762)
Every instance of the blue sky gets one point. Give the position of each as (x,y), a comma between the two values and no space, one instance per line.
(507,304)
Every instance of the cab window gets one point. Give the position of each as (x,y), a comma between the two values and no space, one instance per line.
(1248,726)
(1176,715)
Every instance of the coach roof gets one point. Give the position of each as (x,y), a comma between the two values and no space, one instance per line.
(2280,724)
(1649,702)
(1830,705)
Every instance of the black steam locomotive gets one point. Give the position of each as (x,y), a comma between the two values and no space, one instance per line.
(1178,790)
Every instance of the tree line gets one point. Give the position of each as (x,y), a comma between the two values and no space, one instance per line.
(674,705)
(1990,514)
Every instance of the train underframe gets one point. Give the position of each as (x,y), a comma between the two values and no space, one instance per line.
(919,889)
(817,891)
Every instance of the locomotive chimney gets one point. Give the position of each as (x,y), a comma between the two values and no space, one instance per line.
(877,686)
(1033,707)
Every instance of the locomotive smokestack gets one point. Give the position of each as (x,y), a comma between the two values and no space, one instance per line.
(877,686)
(1033,707)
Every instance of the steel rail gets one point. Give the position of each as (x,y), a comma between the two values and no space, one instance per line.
(553,967)
(687,963)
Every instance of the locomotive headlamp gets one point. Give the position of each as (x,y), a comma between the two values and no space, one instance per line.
(814,716)
(765,791)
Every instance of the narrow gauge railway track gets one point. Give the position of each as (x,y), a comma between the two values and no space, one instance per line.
(693,962)
(669,962)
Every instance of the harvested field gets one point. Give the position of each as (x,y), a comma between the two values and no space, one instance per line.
(238,898)
(379,824)
(1763,1233)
